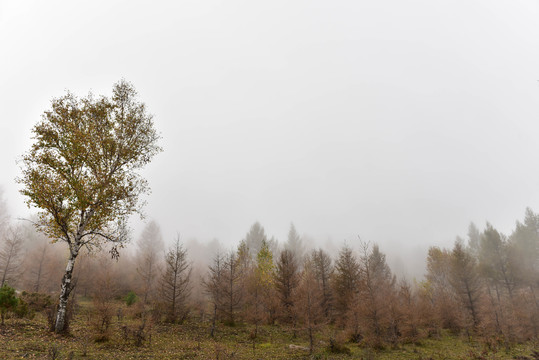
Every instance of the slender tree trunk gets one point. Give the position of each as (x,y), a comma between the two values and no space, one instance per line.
(507,284)
(173,314)
(472,305)
(38,280)
(495,306)
(326,295)
(4,276)
(311,340)
(309,324)
(148,284)
(65,291)
(231,299)
(213,321)
(40,270)
(534,297)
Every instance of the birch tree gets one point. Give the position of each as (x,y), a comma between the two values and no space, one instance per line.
(82,172)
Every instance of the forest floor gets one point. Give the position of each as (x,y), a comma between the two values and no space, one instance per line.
(31,339)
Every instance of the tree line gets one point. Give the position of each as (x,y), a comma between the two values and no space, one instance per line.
(485,285)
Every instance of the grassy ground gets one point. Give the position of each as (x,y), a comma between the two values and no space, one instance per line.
(26,339)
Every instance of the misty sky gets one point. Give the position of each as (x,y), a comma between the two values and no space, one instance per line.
(399,121)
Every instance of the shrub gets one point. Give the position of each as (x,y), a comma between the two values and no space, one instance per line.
(37,302)
(103,311)
(131,298)
(338,347)
(8,300)
(31,303)
(21,310)
(137,333)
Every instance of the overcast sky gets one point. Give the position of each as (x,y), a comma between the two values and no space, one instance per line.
(399,121)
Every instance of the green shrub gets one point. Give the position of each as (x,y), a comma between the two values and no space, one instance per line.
(8,300)
(21,310)
(131,298)
(338,347)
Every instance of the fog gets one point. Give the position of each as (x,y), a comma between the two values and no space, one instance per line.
(396,122)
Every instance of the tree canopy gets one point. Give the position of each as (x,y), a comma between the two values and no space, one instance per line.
(81,170)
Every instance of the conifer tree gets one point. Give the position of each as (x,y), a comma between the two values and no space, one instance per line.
(346,279)
(286,282)
(175,289)
(323,271)
(465,281)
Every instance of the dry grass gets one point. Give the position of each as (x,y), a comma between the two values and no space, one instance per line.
(131,337)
